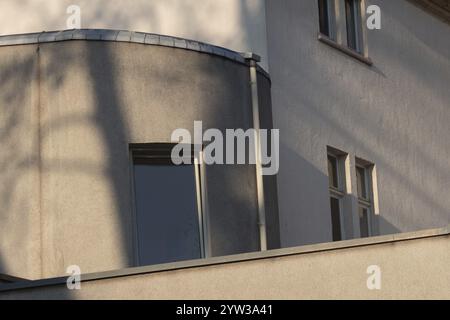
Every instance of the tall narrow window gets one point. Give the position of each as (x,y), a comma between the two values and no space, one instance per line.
(327,18)
(365,198)
(354,25)
(324,17)
(168,210)
(336,182)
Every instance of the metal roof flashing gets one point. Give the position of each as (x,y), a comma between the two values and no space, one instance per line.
(131,37)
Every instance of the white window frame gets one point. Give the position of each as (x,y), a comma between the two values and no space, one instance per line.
(339,193)
(366,203)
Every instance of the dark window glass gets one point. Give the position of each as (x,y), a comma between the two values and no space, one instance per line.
(352,12)
(333,171)
(336,219)
(364,222)
(361,182)
(324,17)
(167,212)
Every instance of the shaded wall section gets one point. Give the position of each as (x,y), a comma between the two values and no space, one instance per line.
(20,240)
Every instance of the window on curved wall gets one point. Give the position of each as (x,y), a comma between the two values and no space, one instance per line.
(167,208)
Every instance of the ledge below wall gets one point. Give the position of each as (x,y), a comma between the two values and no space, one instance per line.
(413,266)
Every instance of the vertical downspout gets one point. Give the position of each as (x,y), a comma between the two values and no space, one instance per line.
(39,158)
(252,60)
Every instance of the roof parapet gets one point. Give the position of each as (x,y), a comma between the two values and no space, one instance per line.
(131,37)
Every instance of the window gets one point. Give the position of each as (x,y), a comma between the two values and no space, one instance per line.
(341,27)
(353,210)
(354,25)
(336,183)
(324,17)
(168,206)
(365,198)
(327,18)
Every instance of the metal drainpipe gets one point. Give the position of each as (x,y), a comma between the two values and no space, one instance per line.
(252,60)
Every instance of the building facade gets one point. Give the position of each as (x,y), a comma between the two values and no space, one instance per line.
(387,115)
(363,117)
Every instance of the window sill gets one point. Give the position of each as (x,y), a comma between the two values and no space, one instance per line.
(324,39)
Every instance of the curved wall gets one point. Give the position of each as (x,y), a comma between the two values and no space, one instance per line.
(70,109)
(236,24)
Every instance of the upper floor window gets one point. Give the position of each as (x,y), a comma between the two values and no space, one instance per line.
(354,24)
(341,26)
(324,17)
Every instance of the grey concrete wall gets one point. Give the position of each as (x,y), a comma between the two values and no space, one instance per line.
(20,240)
(70,110)
(395,114)
(411,267)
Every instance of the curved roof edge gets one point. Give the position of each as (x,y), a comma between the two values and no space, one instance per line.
(124,36)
